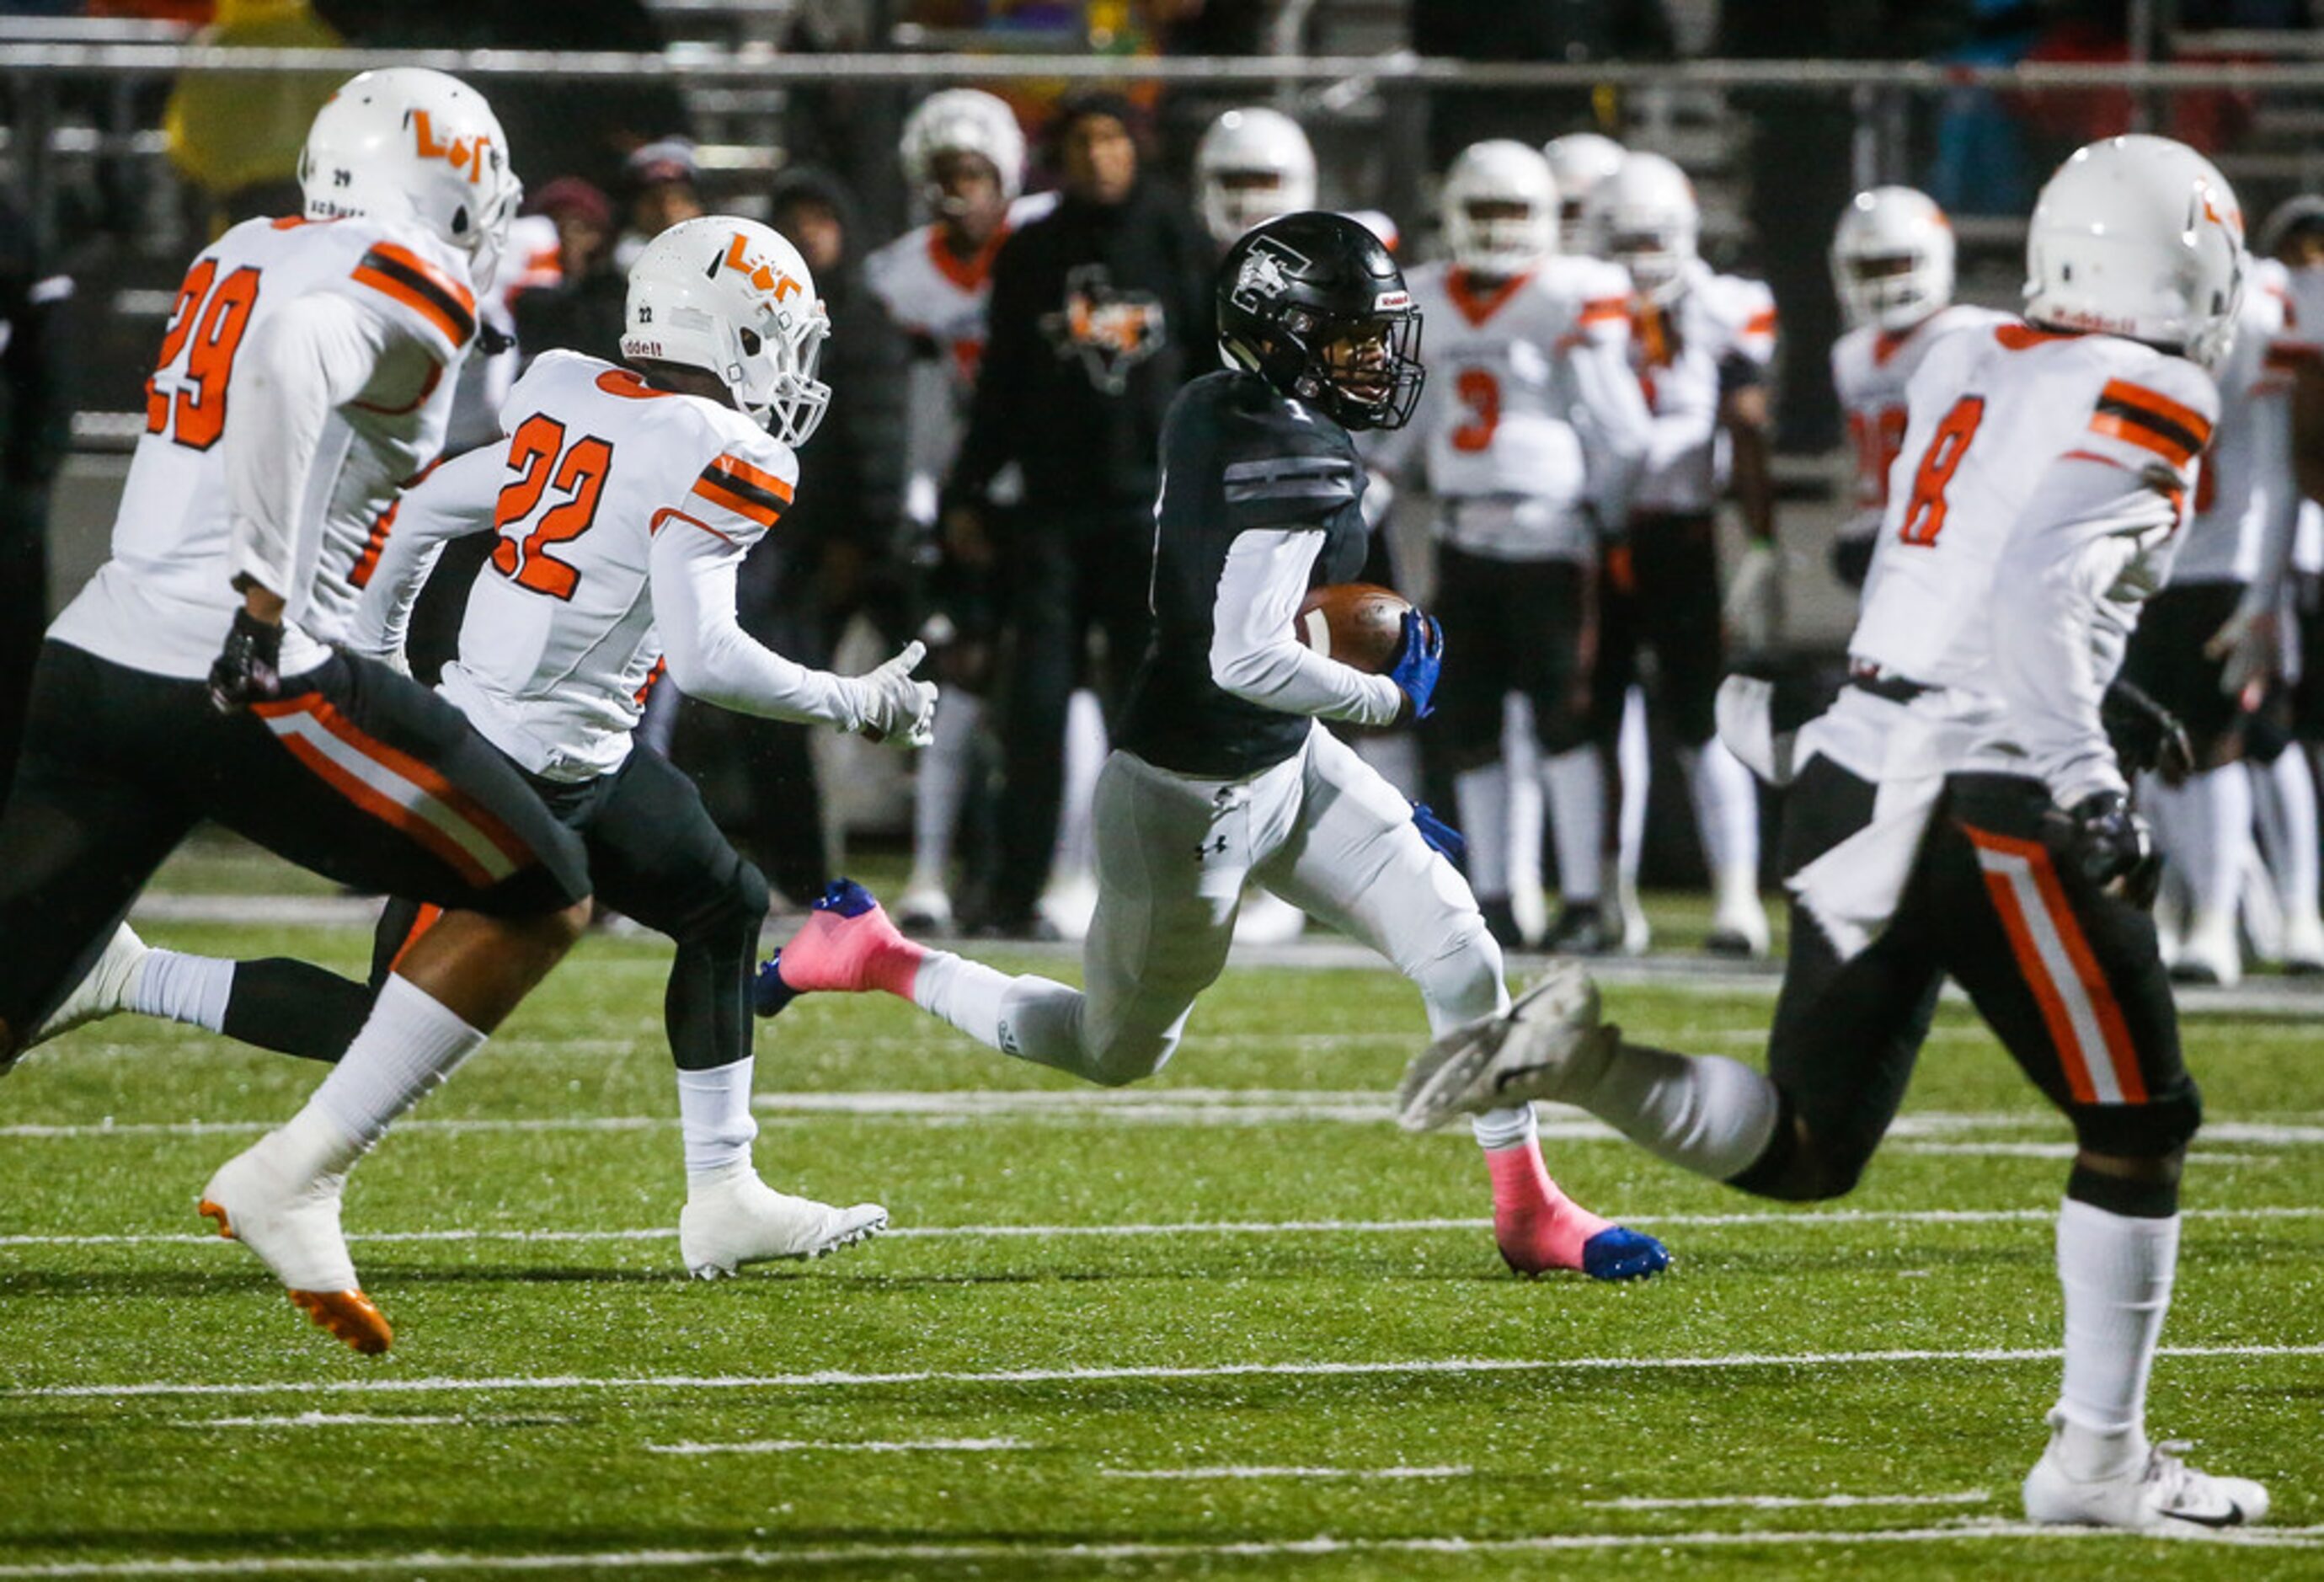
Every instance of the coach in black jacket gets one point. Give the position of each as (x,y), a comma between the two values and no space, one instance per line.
(1100,312)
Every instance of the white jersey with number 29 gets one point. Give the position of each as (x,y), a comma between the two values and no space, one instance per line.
(163,602)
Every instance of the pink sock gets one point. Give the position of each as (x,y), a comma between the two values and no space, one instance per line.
(833,951)
(1538,1226)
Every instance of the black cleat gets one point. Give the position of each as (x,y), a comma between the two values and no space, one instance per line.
(1580,929)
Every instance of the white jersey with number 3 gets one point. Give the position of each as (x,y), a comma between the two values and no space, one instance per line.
(2031,510)
(1504,421)
(162,603)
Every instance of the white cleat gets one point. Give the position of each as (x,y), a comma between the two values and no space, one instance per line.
(736,1219)
(1548,1043)
(924,909)
(2303,945)
(1739,928)
(1637,933)
(105,992)
(290,1219)
(2210,953)
(2163,1495)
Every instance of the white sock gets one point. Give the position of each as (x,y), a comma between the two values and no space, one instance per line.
(1633,757)
(2219,805)
(941,785)
(1521,759)
(2289,832)
(1727,817)
(407,1047)
(1085,746)
(179,987)
(714,1111)
(965,994)
(1575,782)
(1702,1112)
(1483,799)
(1504,1128)
(2117,1270)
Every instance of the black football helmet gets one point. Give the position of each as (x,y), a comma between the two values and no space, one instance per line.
(1313,304)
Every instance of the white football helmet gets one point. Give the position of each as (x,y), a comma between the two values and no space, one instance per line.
(1252,166)
(1578,162)
(2138,236)
(409,145)
(1501,171)
(732,297)
(1644,217)
(1891,258)
(963,120)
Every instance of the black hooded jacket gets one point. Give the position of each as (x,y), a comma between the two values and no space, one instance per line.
(1100,313)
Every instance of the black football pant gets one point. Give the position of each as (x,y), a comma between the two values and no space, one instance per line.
(356,774)
(1660,591)
(2067,975)
(657,857)
(1526,626)
(1065,577)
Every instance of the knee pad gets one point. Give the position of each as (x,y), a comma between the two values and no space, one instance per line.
(2162,1125)
(1128,1056)
(1806,1164)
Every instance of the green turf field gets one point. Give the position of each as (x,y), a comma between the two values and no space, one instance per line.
(1229,1324)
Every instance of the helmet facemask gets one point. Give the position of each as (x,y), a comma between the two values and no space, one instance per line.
(1364,373)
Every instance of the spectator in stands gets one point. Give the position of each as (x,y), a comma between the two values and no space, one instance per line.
(584,312)
(664,187)
(833,556)
(36,432)
(1100,311)
(238,137)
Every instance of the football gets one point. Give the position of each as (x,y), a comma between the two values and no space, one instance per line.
(1359,623)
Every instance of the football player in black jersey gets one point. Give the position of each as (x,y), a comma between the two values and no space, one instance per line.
(1221,772)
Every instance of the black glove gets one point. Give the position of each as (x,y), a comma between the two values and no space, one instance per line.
(2145,735)
(2109,845)
(249,668)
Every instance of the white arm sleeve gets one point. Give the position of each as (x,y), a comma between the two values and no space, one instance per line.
(710,656)
(2065,599)
(455,500)
(312,356)
(1255,656)
(1617,430)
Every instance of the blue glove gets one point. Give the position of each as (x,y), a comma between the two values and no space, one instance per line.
(1418,661)
(1440,835)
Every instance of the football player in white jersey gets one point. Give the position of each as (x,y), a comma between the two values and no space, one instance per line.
(1222,773)
(1255,164)
(1701,343)
(307,374)
(1530,435)
(2206,642)
(625,499)
(1578,162)
(963,157)
(1959,812)
(1892,268)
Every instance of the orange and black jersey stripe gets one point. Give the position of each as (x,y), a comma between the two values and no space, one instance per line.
(2152,421)
(733,483)
(402,274)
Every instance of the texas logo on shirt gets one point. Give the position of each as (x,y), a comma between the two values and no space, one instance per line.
(1111,332)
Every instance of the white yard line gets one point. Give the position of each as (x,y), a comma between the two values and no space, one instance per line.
(839,1379)
(363,1419)
(1789,1501)
(873,1447)
(1815,1219)
(1236,1474)
(429,1562)
(1188,1105)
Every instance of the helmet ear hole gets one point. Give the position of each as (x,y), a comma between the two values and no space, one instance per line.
(750,343)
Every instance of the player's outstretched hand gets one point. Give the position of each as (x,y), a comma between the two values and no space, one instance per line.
(2145,736)
(1418,663)
(249,668)
(1754,612)
(2246,643)
(891,706)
